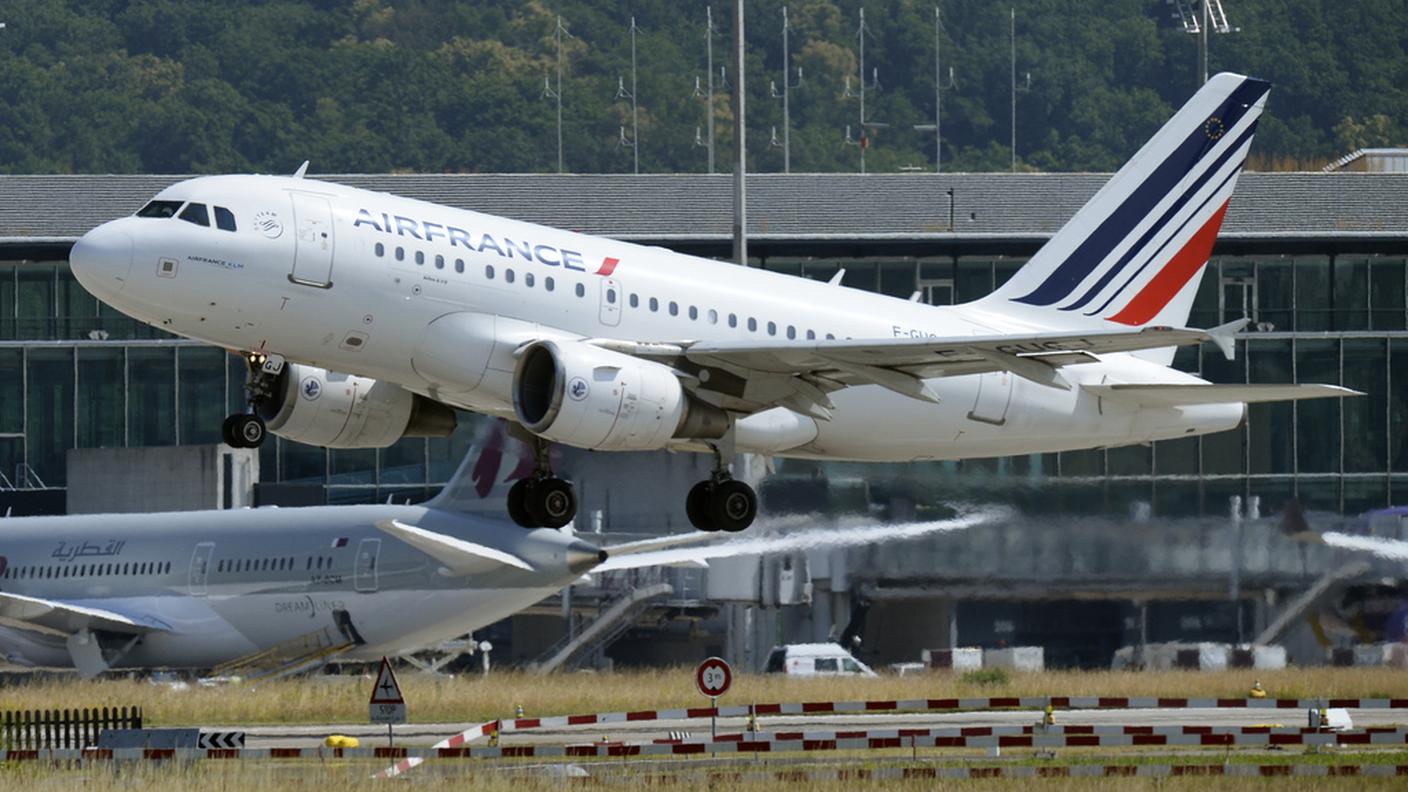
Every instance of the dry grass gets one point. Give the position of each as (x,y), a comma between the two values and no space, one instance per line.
(329,699)
(214,776)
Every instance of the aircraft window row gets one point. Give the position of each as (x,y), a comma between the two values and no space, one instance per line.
(195,213)
(529,280)
(712,316)
(88,570)
(271,564)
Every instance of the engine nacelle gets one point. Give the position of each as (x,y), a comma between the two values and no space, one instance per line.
(582,395)
(324,408)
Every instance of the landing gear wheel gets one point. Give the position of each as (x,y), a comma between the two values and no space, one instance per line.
(551,502)
(733,505)
(696,505)
(244,431)
(518,496)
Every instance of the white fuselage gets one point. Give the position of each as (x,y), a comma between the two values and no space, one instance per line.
(372,284)
(223,585)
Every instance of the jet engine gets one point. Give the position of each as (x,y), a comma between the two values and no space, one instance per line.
(582,395)
(325,408)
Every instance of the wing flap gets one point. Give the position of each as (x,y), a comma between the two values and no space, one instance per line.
(63,618)
(1183,395)
(459,556)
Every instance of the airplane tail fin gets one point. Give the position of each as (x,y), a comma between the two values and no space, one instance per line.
(1132,255)
(494,462)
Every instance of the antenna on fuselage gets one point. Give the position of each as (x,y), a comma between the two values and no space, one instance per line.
(302,169)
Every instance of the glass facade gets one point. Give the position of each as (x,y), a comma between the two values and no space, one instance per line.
(74,373)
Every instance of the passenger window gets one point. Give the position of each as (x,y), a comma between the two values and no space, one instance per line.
(459,265)
(611,296)
(400,254)
(791,331)
(654,304)
(196,213)
(380,250)
(772,328)
(850,666)
(635,300)
(713,316)
(548,284)
(693,313)
(733,320)
(224,219)
(420,257)
(752,325)
(161,209)
(830,337)
(811,335)
(528,279)
(674,308)
(439,262)
(489,271)
(508,276)
(826,664)
(581,290)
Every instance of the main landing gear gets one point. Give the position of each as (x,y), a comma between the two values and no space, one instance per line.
(721,502)
(542,500)
(246,429)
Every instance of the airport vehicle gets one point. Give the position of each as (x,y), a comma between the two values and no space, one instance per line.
(815,659)
(200,589)
(364,316)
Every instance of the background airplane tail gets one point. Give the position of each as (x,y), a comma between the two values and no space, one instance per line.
(1134,253)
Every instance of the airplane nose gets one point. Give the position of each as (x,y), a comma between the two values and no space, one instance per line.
(582,556)
(102,259)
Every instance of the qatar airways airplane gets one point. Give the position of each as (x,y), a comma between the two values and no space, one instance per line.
(364,316)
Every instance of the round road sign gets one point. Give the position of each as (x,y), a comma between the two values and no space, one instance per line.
(713,677)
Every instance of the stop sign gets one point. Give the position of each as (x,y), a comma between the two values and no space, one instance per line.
(713,677)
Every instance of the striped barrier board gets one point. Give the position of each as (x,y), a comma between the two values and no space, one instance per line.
(903,773)
(1244,733)
(453,742)
(949,705)
(811,741)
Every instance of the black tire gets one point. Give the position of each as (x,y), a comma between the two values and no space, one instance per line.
(518,497)
(733,505)
(227,431)
(248,431)
(696,505)
(552,503)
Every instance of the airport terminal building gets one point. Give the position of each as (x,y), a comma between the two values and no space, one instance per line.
(1317,262)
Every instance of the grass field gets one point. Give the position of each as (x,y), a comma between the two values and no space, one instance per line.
(342,699)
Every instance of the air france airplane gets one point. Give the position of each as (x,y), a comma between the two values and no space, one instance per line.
(197,590)
(365,316)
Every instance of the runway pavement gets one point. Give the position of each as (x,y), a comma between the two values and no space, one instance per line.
(424,735)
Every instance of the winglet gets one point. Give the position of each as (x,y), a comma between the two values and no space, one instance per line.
(1225,336)
(459,556)
(302,169)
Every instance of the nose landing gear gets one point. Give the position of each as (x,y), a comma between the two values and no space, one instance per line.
(542,500)
(246,429)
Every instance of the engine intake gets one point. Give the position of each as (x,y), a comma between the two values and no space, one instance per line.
(323,408)
(585,396)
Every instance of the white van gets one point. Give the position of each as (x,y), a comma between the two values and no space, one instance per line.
(818,659)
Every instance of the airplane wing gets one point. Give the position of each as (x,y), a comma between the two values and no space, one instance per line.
(1182,395)
(752,375)
(459,556)
(660,543)
(60,618)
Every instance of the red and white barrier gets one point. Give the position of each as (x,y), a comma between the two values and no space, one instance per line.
(459,740)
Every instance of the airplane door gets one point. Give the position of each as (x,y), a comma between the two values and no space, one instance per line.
(994,396)
(364,577)
(611,299)
(200,568)
(313,240)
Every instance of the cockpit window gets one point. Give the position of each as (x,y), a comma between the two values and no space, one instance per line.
(196,213)
(224,219)
(160,209)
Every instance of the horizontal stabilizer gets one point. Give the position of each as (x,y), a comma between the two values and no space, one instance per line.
(459,556)
(1182,395)
(57,617)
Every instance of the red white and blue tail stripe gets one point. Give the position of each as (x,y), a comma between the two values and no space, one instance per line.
(1133,253)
